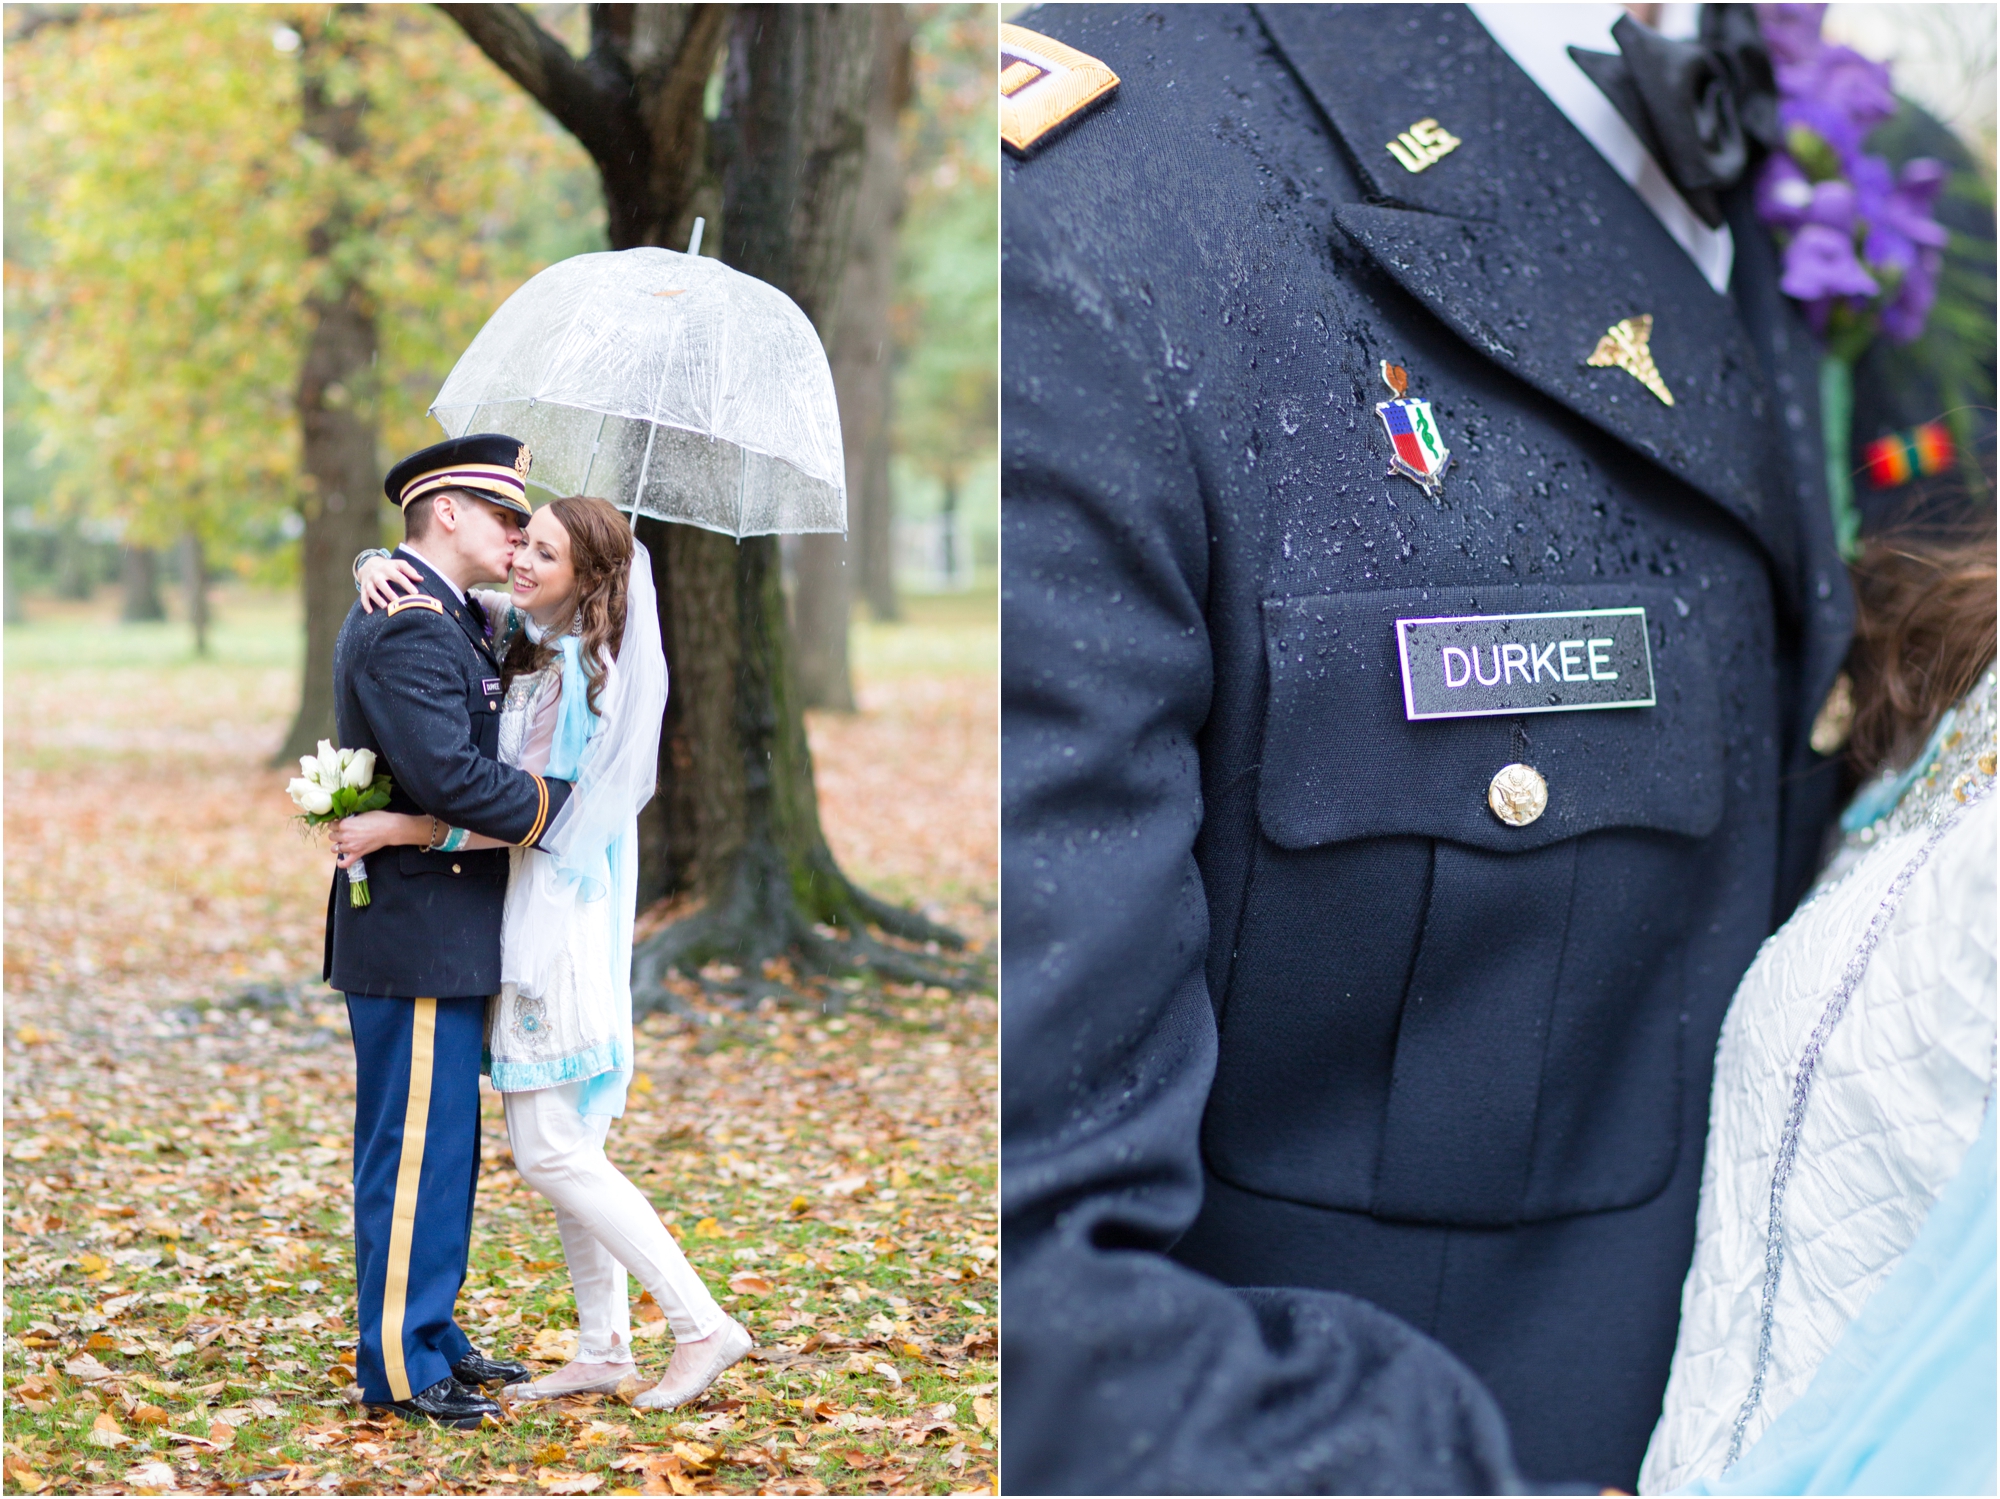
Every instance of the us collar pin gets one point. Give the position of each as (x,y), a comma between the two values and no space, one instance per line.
(1415,449)
(1423,145)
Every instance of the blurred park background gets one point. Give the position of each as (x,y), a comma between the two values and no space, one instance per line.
(170,221)
(242,242)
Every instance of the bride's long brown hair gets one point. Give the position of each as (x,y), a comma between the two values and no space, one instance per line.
(600,554)
(1923,633)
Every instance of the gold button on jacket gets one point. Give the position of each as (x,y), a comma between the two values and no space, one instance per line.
(1517,795)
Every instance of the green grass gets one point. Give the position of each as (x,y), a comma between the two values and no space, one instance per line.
(939,634)
(150,1187)
(831,1412)
(946,634)
(248,629)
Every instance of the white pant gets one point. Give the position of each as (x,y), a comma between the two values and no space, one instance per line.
(607,1226)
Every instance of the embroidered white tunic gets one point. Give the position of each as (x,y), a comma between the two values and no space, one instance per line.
(568,1027)
(1874,1006)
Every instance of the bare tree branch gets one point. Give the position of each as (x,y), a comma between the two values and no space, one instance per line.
(23,21)
(672,108)
(585,99)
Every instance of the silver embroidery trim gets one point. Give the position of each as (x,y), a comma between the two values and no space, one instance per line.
(1802,1081)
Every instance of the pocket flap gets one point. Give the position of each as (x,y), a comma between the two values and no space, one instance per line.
(466,862)
(1341,761)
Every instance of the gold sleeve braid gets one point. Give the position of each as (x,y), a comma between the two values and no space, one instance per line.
(541,812)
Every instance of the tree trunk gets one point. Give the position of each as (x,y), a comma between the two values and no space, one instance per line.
(336,399)
(872,504)
(690,831)
(76,573)
(139,580)
(194,588)
(736,823)
(948,528)
(859,352)
(862,343)
(821,606)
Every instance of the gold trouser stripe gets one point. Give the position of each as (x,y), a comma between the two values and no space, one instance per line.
(541,812)
(403,1223)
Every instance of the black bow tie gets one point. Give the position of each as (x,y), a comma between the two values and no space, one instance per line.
(1699,107)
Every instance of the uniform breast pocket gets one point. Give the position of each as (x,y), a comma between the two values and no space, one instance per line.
(482,706)
(1437,1013)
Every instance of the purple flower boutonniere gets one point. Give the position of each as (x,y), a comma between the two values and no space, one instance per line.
(1861,250)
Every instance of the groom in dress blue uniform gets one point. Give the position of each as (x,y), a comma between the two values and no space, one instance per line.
(418,684)
(1358,1036)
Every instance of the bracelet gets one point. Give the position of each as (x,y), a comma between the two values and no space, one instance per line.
(453,841)
(361,557)
(431,845)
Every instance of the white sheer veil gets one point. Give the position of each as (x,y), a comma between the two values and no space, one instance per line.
(621,766)
(592,843)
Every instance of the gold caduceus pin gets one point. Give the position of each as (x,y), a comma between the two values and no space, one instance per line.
(1625,347)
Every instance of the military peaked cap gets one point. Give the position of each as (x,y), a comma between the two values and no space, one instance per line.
(490,464)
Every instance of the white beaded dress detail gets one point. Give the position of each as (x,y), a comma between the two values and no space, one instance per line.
(1852,1074)
(566,1025)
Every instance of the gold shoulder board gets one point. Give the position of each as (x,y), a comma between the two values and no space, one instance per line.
(416,601)
(1044,84)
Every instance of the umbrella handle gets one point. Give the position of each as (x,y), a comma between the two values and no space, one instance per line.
(694,241)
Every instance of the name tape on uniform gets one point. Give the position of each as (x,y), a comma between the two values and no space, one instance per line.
(489,685)
(1478,665)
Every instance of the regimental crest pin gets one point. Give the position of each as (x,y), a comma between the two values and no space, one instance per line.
(523,461)
(1415,449)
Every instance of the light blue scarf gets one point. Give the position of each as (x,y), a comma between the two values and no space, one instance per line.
(1904,1402)
(1878,799)
(594,860)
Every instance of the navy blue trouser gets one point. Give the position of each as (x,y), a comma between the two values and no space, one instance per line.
(416,1166)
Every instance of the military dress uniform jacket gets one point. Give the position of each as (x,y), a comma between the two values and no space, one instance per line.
(1285,1005)
(417,683)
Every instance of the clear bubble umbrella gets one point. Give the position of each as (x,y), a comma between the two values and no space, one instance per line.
(670,385)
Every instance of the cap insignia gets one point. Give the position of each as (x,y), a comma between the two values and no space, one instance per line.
(523,461)
(1043,85)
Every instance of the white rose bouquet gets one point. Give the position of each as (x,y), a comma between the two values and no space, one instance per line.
(336,784)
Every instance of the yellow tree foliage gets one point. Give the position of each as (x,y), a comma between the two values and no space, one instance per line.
(946,319)
(171,198)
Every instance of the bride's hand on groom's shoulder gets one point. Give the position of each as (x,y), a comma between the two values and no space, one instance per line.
(359,836)
(383,580)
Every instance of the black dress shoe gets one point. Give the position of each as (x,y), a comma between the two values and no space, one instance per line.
(476,1369)
(448,1403)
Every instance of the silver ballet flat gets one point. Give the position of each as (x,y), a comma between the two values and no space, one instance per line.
(530,1390)
(731,1343)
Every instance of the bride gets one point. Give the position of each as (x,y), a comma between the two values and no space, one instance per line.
(1837,1322)
(585,684)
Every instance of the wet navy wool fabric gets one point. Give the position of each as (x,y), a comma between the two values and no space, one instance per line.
(421,688)
(1285,1005)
